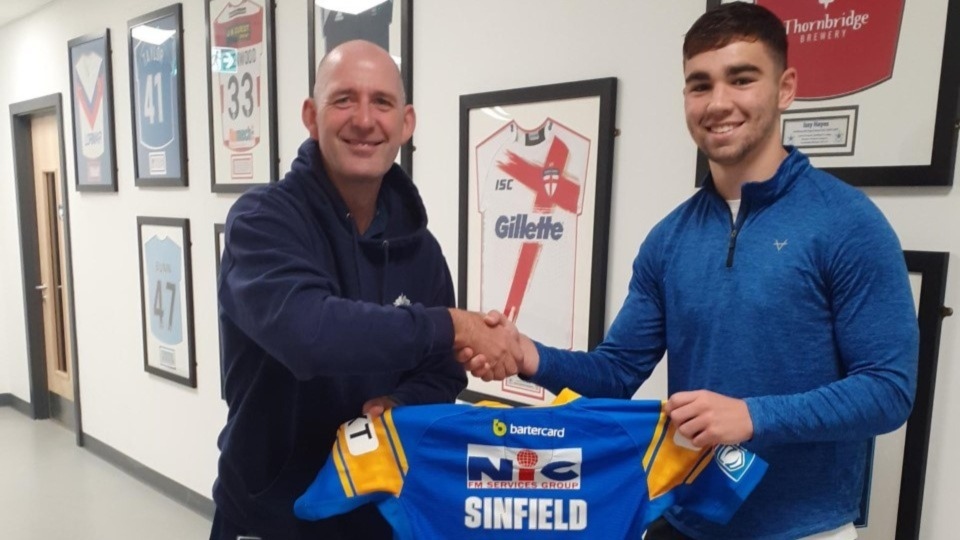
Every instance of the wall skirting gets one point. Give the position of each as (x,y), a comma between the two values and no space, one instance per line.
(176,491)
(10,400)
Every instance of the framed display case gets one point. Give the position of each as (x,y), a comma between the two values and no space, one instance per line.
(157,98)
(91,98)
(878,87)
(897,464)
(535,180)
(241,94)
(388,23)
(166,296)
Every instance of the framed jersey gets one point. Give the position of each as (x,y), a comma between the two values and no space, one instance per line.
(241,94)
(166,295)
(897,463)
(91,98)
(388,23)
(856,60)
(157,103)
(535,179)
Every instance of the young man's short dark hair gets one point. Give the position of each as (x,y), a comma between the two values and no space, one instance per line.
(737,21)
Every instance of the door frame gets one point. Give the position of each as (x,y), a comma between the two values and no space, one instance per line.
(21,131)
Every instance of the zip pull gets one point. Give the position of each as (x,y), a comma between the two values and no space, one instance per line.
(731,246)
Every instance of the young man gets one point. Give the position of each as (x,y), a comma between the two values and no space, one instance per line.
(334,302)
(779,293)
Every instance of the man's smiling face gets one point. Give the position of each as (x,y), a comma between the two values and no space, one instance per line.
(732,99)
(358,116)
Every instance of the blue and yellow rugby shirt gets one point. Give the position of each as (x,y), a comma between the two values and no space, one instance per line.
(593,468)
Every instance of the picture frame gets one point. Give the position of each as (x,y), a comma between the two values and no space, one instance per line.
(157,104)
(241,94)
(220,243)
(536,168)
(896,465)
(852,118)
(166,297)
(390,28)
(91,98)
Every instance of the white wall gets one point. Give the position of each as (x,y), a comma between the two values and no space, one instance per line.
(460,48)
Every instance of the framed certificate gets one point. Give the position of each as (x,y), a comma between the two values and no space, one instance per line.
(241,94)
(157,103)
(166,295)
(388,23)
(878,87)
(535,180)
(91,97)
(897,465)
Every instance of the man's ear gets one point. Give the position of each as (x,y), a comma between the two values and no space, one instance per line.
(788,88)
(308,114)
(409,122)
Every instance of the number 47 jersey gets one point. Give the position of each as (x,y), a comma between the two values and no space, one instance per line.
(594,468)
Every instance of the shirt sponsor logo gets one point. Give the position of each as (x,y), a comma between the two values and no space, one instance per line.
(733,461)
(504,467)
(501,428)
(521,226)
(361,437)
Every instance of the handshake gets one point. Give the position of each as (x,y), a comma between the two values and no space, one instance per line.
(490,346)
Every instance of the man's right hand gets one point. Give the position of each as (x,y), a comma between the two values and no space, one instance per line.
(476,362)
(497,350)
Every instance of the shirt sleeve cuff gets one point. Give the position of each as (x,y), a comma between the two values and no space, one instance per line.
(442,329)
(757,417)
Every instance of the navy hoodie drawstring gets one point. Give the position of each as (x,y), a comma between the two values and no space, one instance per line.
(356,252)
(386,263)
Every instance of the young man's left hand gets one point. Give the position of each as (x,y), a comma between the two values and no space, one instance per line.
(708,418)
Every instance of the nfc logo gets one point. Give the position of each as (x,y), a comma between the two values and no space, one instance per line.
(501,466)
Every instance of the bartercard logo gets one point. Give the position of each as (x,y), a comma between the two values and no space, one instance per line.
(504,467)
(733,461)
(501,428)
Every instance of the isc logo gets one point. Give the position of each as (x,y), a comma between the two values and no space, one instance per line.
(503,467)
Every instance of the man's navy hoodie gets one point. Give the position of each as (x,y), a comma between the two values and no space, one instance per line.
(316,319)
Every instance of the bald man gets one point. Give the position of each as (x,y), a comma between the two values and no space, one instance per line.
(334,301)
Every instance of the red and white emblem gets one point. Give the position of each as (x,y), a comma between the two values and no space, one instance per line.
(839,47)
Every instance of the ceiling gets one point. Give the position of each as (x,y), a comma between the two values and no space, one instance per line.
(11,10)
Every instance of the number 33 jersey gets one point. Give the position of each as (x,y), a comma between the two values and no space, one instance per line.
(594,468)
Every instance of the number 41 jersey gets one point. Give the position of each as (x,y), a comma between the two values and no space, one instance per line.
(594,468)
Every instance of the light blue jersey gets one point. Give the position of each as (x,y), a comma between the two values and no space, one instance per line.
(164,261)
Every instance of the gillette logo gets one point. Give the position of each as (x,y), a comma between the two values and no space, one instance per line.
(522,227)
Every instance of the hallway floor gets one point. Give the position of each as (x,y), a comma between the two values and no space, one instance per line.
(50,488)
